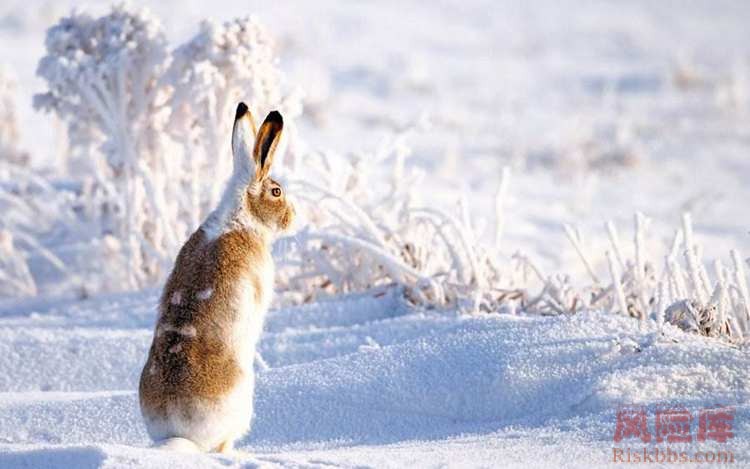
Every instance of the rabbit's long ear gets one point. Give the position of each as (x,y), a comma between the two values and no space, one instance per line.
(266,142)
(243,134)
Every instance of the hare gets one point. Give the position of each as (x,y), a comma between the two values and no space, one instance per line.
(196,388)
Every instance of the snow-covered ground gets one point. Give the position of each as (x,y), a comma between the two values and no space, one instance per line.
(365,382)
(601,109)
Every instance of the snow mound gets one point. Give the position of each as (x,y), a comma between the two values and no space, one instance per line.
(480,373)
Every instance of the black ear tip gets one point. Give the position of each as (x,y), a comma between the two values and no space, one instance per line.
(275,116)
(241,110)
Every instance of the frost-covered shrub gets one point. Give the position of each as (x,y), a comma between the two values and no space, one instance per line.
(104,79)
(151,124)
(34,210)
(680,293)
(364,229)
(693,302)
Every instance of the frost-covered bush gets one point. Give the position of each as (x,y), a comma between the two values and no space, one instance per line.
(152,123)
(34,210)
(104,79)
(364,229)
(681,292)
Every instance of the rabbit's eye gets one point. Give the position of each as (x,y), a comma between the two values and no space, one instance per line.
(276,192)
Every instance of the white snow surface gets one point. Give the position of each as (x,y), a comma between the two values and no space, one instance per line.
(362,381)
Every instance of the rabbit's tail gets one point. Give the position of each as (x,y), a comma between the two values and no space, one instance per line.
(182,445)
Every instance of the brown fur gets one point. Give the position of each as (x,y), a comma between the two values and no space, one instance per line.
(275,210)
(205,366)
